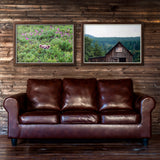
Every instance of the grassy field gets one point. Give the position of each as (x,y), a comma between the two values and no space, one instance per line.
(59,37)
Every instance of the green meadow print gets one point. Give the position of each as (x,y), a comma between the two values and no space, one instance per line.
(44,43)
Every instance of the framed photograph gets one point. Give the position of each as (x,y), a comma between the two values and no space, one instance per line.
(50,43)
(112,44)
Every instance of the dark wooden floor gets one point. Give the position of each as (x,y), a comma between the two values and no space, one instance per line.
(80,150)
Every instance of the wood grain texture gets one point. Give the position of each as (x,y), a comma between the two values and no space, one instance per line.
(84,150)
(146,77)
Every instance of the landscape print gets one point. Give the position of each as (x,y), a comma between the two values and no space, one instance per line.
(44,43)
(112,43)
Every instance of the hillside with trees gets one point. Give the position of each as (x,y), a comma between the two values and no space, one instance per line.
(99,46)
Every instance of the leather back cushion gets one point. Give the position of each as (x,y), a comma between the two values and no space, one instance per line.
(115,94)
(44,94)
(79,94)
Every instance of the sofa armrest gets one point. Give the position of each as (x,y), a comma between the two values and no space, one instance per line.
(19,101)
(143,103)
(14,105)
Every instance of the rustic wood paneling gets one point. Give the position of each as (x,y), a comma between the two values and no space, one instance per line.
(80,149)
(146,77)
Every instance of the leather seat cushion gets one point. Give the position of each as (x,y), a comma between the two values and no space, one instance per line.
(115,94)
(120,117)
(79,117)
(44,94)
(39,117)
(79,94)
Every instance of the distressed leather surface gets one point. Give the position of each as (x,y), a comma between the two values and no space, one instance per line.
(44,94)
(39,117)
(79,117)
(82,131)
(120,116)
(115,94)
(79,94)
(15,106)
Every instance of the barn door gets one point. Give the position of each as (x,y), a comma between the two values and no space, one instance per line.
(122,59)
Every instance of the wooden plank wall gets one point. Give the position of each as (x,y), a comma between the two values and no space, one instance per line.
(146,77)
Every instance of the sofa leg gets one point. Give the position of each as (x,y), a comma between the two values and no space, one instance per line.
(145,142)
(14,141)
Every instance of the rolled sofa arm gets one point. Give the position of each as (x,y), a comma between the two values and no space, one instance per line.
(14,105)
(144,104)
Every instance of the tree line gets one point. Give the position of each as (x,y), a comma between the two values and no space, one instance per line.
(97,47)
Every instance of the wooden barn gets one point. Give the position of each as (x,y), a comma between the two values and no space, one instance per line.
(119,53)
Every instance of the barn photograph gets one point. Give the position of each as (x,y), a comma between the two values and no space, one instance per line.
(118,53)
(112,43)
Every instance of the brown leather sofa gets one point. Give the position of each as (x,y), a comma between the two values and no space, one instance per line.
(79,109)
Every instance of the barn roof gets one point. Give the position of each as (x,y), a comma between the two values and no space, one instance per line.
(116,46)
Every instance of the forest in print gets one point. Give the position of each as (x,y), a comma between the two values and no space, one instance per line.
(44,43)
(97,47)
